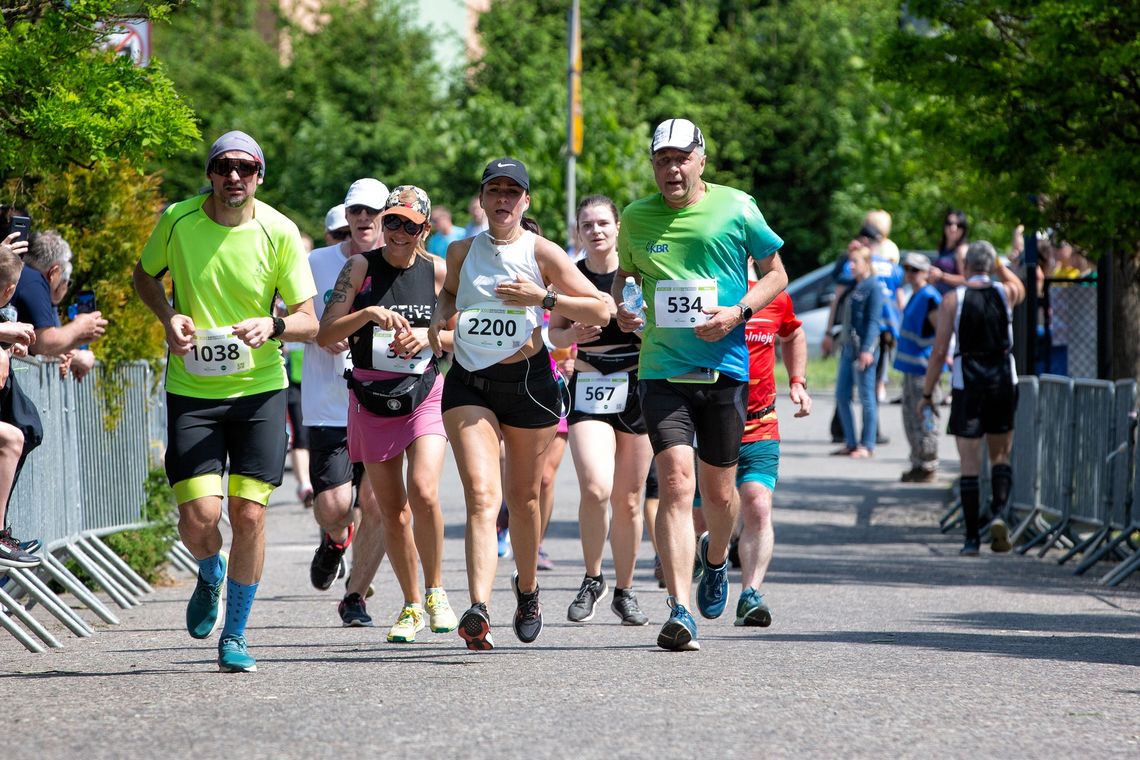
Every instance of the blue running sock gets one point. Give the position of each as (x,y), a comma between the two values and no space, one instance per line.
(239,601)
(211,569)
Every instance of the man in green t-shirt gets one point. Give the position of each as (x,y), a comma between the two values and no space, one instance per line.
(227,254)
(689,247)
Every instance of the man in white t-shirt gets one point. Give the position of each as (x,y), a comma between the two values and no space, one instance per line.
(324,409)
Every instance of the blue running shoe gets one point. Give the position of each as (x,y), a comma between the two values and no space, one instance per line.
(712,591)
(234,656)
(679,634)
(202,610)
(751,610)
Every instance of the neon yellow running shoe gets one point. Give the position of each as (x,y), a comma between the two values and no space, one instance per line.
(411,619)
(441,618)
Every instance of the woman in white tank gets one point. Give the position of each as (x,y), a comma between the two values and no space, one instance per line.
(501,386)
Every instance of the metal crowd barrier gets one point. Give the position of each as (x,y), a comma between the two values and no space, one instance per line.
(83,482)
(1076,467)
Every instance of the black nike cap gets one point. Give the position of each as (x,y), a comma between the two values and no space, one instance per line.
(508,167)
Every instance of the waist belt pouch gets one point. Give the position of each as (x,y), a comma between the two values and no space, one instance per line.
(19,410)
(395,397)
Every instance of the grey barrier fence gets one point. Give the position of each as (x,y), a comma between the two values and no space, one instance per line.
(86,480)
(1076,465)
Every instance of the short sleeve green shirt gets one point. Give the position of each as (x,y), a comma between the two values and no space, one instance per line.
(224,275)
(710,240)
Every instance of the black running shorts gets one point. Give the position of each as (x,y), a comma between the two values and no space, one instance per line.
(676,412)
(247,432)
(523,395)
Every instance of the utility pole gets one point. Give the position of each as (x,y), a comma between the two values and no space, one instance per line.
(573,116)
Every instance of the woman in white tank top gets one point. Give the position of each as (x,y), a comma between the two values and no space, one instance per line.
(501,386)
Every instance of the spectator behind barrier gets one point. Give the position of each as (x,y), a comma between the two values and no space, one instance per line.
(43,281)
(15,417)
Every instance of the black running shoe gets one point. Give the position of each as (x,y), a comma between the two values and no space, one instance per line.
(625,607)
(12,554)
(327,563)
(353,612)
(528,614)
(590,593)
(475,628)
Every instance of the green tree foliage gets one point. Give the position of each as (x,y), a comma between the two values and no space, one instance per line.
(782,90)
(65,101)
(106,214)
(77,125)
(353,101)
(1039,100)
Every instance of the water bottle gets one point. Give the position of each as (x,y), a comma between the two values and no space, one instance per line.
(928,420)
(632,299)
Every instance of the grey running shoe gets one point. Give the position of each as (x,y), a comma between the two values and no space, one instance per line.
(625,607)
(589,594)
(12,554)
(528,614)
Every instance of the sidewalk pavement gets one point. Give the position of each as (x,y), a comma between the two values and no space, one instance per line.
(884,643)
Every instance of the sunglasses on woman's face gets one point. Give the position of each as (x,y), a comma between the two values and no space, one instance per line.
(394,223)
(951,223)
(223,166)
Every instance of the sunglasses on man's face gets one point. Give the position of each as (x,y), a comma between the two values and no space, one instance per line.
(358,208)
(245,169)
(908,270)
(340,235)
(394,223)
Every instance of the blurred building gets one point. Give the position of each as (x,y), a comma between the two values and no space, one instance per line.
(451,23)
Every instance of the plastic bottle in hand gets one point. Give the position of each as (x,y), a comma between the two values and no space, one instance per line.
(928,420)
(632,299)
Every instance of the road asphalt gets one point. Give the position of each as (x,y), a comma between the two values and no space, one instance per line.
(884,643)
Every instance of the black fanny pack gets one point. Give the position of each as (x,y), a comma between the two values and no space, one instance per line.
(394,397)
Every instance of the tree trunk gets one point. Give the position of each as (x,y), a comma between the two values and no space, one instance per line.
(1126,316)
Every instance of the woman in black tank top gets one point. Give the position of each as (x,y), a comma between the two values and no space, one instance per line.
(382,303)
(611,449)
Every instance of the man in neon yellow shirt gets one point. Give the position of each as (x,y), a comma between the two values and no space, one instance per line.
(227,254)
(689,246)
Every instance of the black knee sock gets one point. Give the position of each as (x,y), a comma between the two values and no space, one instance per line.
(971,497)
(1001,481)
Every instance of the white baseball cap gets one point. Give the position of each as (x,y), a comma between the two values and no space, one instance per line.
(335,218)
(367,192)
(681,134)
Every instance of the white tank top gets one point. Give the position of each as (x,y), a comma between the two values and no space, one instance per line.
(481,343)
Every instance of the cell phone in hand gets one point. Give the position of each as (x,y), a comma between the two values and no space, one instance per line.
(85,302)
(20,224)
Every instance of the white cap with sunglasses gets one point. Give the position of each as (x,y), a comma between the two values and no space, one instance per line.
(368,192)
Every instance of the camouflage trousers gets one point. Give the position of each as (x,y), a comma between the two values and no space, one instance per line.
(923,445)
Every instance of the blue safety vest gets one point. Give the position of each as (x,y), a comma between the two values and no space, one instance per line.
(914,349)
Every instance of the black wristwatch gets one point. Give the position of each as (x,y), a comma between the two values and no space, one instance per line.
(278,327)
(549,300)
(745,311)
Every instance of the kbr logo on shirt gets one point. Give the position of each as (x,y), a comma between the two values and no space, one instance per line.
(652,247)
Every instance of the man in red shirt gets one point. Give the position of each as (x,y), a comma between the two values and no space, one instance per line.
(758,469)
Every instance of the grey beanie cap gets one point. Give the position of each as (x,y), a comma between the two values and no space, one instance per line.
(236,140)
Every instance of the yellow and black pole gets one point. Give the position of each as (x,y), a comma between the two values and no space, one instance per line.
(573,116)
